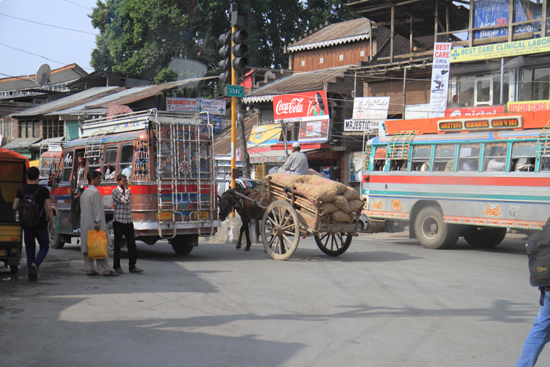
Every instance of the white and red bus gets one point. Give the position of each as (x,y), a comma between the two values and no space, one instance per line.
(452,177)
(169,161)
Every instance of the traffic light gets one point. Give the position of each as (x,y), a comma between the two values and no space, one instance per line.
(239,49)
(225,52)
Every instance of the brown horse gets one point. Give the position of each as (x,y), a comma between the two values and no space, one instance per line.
(247,209)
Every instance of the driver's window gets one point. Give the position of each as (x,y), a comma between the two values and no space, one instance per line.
(109,165)
(67,165)
(126,159)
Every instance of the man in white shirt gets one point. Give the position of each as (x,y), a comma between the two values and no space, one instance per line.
(296,163)
(497,164)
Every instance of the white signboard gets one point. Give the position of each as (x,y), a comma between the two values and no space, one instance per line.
(371,108)
(440,79)
(181,104)
(212,106)
(417,111)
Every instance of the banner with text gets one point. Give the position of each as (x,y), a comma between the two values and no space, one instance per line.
(440,79)
(474,111)
(528,106)
(498,50)
(370,108)
(212,106)
(296,106)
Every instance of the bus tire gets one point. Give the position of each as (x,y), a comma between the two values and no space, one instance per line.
(183,245)
(485,237)
(56,239)
(431,231)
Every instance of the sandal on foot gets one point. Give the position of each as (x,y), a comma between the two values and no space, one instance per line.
(110,274)
(136,270)
(92,273)
(119,271)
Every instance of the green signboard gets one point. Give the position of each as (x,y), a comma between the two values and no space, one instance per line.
(234,91)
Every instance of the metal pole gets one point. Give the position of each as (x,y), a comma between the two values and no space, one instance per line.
(501,79)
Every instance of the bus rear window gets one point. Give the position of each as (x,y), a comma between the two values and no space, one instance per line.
(379,159)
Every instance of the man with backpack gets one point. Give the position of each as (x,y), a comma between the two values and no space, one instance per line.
(538,251)
(32,201)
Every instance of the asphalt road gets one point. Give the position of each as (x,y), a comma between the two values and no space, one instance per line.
(385,302)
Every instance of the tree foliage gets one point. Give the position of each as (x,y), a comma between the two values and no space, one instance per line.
(166,40)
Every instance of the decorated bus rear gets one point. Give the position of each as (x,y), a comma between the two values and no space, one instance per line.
(452,177)
(168,160)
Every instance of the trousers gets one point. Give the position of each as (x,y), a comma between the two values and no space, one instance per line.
(126,230)
(538,337)
(31,236)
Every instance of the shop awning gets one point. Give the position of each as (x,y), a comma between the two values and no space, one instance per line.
(276,152)
(21,143)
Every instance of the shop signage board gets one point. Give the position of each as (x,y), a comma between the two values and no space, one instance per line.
(528,106)
(370,108)
(440,79)
(294,107)
(361,125)
(314,129)
(474,111)
(498,50)
(212,106)
(265,135)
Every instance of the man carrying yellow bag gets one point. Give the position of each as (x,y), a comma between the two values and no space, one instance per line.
(92,218)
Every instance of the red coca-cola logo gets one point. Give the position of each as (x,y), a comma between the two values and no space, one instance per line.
(294,106)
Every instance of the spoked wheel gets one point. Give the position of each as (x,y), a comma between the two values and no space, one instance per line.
(280,230)
(333,244)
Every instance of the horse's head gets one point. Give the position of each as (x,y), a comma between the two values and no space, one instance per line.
(226,203)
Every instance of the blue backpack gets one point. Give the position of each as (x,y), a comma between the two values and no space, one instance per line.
(29,214)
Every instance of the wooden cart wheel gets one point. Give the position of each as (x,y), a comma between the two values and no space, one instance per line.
(280,230)
(333,244)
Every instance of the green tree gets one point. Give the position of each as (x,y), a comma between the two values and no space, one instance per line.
(166,40)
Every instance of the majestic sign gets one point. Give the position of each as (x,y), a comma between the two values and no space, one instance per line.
(361,125)
(440,79)
(371,108)
(528,106)
(474,111)
(498,50)
(293,107)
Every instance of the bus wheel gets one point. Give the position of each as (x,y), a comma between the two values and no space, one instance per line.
(56,239)
(183,245)
(431,231)
(485,237)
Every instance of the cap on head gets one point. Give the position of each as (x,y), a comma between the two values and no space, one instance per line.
(296,145)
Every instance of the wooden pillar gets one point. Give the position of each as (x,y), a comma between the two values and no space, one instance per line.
(436,18)
(510,21)
(447,20)
(471,25)
(392,31)
(404,91)
(411,37)
(544,10)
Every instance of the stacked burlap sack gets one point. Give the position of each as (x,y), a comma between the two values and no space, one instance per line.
(339,202)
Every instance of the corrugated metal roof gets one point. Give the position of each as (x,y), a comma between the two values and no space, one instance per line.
(334,34)
(128,96)
(296,83)
(21,143)
(67,102)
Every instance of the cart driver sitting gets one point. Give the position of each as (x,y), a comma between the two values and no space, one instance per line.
(296,163)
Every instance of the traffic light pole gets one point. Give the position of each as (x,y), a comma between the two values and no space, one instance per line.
(233,117)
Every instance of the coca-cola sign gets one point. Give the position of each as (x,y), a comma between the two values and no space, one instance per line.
(296,106)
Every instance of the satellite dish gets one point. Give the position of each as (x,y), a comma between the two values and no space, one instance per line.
(43,74)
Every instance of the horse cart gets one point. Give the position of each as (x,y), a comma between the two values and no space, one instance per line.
(292,214)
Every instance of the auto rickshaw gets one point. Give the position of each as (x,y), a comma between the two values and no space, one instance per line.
(13,174)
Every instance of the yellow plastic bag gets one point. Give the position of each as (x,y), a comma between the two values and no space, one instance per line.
(97,245)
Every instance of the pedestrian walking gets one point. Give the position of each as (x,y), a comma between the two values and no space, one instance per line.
(78,186)
(123,225)
(93,218)
(33,202)
(538,250)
